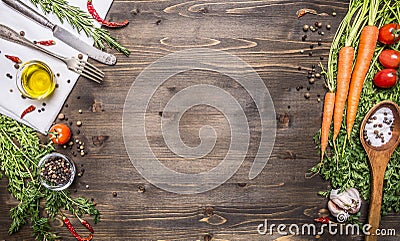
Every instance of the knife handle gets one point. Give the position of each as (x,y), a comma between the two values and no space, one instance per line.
(29,12)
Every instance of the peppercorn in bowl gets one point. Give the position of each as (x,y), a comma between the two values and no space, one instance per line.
(56,172)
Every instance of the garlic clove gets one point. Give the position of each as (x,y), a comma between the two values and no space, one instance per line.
(333,208)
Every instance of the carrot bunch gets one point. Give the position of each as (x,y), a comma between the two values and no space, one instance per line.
(349,81)
(334,102)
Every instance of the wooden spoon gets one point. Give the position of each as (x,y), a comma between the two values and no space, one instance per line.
(379,157)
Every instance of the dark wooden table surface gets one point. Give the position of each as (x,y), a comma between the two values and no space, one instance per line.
(267,35)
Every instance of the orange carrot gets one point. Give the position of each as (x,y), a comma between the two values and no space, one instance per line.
(329,104)
(366,48)
(345,64)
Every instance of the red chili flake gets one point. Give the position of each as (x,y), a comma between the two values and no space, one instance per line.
(46,42)
(322,220)
(106,23)
(28,110)
(14,59)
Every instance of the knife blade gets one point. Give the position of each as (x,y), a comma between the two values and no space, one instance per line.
(62,34)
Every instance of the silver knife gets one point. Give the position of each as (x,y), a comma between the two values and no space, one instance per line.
(62,34)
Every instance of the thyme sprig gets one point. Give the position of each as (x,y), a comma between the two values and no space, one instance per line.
(81,21)
(20,152)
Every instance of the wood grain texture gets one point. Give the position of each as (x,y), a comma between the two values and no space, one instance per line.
(264,33)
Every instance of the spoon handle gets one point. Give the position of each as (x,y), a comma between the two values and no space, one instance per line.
(374,215)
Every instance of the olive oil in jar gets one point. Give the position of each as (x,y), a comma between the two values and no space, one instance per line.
(36,79)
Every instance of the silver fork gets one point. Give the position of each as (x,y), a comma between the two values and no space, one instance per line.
(79,66)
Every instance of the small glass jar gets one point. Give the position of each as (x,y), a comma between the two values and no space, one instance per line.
(35,80)
(56,172)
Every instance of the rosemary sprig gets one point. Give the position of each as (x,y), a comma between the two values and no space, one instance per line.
(81,21)
(20,152)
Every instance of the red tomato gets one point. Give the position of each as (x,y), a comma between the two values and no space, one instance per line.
(389,33)
(385,78)
(60,134)
(390,58)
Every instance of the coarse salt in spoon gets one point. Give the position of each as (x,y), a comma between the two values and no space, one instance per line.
(379,135)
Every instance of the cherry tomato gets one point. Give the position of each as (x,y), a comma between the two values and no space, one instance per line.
(60,134)
(390,58)
(385,78)
(389,33)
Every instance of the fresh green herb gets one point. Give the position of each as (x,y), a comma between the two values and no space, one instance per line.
(346,163)
(81,21)
(20,152)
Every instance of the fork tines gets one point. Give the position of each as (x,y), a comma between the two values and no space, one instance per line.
(90,71)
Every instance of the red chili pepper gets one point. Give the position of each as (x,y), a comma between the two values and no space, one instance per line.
(28,110)
(97,17)
(71,228)
(86,224)
(46,42)
(90,237)
(322,220)
(14,59)
(73,231)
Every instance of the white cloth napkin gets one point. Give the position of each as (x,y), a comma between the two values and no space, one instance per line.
(11,102)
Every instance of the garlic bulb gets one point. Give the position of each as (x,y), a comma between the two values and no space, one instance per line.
(341,204)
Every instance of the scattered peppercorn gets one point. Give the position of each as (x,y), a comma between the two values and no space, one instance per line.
(79,123)
(328,26)
(307,95)
(311,81)
(305,27)
(80,56)
(22,33)
(114,194)
(333,13)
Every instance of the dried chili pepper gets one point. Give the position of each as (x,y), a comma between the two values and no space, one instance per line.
(14,59)
(90,237)
(46,42)
(86,224)
(28,110)
(322,220)
(71,228)
(106,23)
(73,231)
